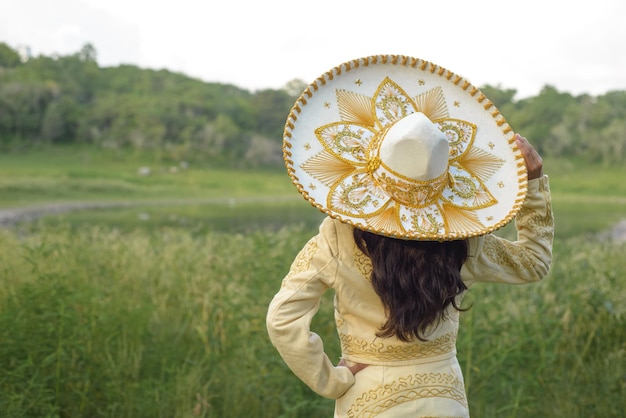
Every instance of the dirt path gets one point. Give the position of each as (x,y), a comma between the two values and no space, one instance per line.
(12,216)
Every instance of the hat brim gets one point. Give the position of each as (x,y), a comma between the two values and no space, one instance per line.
(358,99)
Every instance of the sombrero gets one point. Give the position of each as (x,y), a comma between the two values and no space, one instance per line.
(402,147)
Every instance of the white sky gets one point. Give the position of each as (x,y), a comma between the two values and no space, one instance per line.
(577,46)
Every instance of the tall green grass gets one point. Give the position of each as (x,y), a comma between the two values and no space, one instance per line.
(555,348)
(98,322)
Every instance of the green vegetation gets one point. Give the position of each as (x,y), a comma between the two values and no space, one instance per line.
(152,303)
(552,349)
(98,323)
(95,322)
(169,116)
(157,309)
(172,117)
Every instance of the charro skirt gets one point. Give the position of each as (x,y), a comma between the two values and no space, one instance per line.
(420,390)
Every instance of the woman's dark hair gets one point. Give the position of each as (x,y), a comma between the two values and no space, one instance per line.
(415,280)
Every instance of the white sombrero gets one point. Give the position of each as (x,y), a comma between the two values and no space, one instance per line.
(401,147)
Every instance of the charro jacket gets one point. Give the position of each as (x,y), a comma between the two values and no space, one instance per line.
(331,260)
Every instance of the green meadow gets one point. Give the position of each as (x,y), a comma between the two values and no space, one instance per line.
(151,301)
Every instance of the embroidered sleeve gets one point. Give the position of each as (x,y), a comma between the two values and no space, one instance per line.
(292,309)
(528,258)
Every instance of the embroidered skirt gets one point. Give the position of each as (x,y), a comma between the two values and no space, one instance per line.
(420,390)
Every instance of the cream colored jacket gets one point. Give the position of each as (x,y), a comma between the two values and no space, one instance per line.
(331,260)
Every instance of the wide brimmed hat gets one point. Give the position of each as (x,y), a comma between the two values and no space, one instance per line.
(402,147)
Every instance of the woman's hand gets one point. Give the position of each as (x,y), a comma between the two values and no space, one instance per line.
(355,368)
(534,163)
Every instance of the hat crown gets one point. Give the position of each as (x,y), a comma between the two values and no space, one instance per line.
(416,148)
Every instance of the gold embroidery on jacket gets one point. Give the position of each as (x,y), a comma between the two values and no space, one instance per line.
(506,253)
(542,224)
(363,262)
(408,389)
(302,262)
(397,352)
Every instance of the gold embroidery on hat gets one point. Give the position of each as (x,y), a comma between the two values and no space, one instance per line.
(460,135)
(356,195)
(372,165)
(432,104)
(360,186)
(427,220)
(326,168)
(387,220)
(411,192)
(464,187)
(355,108)
(350,141)
(481,163)
(392,103)
(459,219)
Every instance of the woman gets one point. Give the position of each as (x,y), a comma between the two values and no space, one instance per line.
(413,191)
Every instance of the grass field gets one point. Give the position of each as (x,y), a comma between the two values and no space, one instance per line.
(75,174)
(587,198)
(157,309)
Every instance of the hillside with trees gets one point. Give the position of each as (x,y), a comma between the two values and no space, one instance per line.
(54,100)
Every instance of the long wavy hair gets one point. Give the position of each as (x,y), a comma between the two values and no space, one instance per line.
(415,280)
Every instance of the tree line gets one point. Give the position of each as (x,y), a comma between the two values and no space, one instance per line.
(50,100)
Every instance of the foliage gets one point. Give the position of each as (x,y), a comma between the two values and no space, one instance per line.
(95,322)
(592,129)
(70,99)
(9,58)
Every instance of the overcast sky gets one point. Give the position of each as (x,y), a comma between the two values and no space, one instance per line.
(574,45)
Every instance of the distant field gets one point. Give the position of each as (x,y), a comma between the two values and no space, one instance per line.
(587,199)
(74,174)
